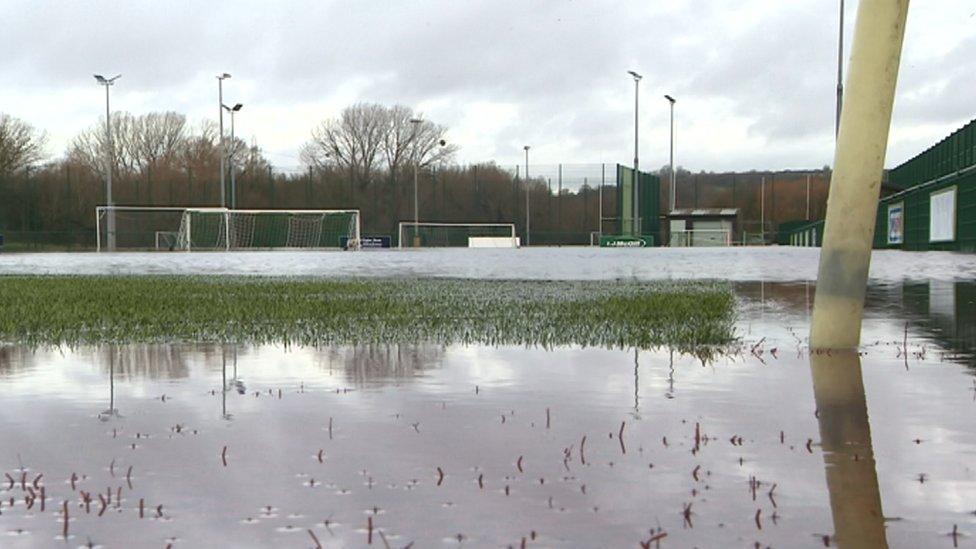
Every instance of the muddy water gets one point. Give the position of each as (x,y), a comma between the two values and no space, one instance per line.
(484,446)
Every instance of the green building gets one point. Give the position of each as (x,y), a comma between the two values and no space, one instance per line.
(933,208)
(649,195)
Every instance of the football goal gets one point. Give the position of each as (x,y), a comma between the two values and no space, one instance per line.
(187,229)
(469,235)
(701,237)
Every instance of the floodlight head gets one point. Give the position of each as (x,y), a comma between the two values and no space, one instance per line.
(526,147)
(635,75)
(671,99)
(237,107)
(107,81)
(222,76)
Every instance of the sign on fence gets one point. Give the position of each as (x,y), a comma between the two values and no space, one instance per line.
(621,241)
(368,242)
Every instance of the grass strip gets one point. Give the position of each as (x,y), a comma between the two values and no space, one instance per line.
(54,310)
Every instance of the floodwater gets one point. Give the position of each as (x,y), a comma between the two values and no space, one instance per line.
(769,264)
(478,446)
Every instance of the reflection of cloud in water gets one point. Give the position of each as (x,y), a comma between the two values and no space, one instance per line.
(370,363)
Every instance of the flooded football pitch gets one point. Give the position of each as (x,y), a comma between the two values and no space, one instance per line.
(424,445)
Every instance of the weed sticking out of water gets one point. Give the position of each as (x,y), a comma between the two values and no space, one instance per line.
(145,309)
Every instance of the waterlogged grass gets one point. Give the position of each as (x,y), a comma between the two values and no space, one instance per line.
(91,309)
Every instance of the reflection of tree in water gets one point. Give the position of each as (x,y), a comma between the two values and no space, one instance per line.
(15,359)
(369,363)
(153,361)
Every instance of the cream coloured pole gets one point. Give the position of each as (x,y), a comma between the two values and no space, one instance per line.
(858,165)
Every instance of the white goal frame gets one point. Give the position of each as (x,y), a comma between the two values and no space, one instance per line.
(687,237)
(100,211)
(402,224)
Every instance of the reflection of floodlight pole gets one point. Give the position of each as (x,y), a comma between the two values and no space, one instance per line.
(527,242)
(111,412)
(109,163)
(636,226)
(223,150)
(230,156)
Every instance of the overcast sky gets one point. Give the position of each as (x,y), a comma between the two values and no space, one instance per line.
(755,80)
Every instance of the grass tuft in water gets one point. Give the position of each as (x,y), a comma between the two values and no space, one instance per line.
(56,310)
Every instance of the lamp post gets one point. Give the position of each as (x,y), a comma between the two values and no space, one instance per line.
(416,208)
(840,70)
(527,240)
(636,226)
(230,156)
(674,201)
(109,162)
(223,150)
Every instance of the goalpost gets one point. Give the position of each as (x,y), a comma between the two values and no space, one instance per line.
(188,228)
(470,235)
(701,238)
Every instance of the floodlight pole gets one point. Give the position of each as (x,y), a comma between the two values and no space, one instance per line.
(223,149)
(636,213)
(416,208)
(230,155)
(109,162)
(858,165)
(672,101)
(527,225)
(840,70)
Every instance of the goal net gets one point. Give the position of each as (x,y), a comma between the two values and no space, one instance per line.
(466,235)
(701,238)
(173,228)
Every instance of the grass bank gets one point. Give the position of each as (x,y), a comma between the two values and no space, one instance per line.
(42,310)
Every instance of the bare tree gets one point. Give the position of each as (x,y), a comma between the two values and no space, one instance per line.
(353,141)
(158,138)
(20,144)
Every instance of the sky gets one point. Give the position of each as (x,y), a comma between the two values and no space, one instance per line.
(755,80)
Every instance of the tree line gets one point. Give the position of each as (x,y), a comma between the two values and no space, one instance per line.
(363,158)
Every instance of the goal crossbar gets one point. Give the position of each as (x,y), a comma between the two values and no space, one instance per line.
(235,228)
(503,230)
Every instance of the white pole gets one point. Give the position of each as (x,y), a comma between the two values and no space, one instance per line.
(226,230)
(189,230)
(636,226)
(98,230)
(220,108)
(808,197)
(762,210)
(848,234)
(527,226)
(110,160)
(840,70)
(230,158)
(603,180)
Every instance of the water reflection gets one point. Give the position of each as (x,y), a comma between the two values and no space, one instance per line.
(944,311)
(845,434)
(376,363)
(112,411)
